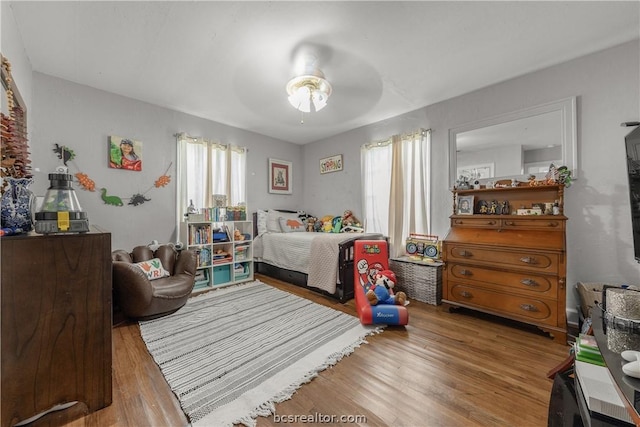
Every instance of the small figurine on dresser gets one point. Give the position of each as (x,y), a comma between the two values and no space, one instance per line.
(493,208)
(504,207)
(462,183)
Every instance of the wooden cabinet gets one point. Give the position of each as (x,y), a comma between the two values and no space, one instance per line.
(56,323)
(509,265)
(222,259)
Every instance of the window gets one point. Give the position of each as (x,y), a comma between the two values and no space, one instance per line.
(395,182)
(207,168)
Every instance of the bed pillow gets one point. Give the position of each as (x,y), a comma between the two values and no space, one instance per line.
(153,269)
(273,219)
(261,221)
(273,224)
(291,225)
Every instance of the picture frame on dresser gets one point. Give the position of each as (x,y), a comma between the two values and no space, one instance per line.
(465,205)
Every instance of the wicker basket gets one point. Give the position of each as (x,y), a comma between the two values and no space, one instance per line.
(419,280)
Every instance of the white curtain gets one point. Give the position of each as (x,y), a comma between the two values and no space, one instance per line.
(376,183)
(396,187)
(206,168)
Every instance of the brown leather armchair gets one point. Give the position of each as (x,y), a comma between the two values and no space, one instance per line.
(141,298)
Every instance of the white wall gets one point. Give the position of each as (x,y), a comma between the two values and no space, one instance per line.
(599,237)
(82,118)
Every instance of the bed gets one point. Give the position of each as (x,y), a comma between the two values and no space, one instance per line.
(322,262)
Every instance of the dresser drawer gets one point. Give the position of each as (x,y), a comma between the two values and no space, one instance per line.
(524,260)
(479,221)
(526,308)
(533,223)
(523,283)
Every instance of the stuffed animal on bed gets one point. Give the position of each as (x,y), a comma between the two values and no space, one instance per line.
(350,224)
(311,223)
(382,291)
(327,223)
(349,219)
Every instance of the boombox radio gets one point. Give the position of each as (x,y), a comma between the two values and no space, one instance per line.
(423,246)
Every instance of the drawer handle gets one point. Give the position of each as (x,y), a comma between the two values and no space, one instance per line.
(529,260)
(509,223)
(553,224)
(466,294)
(465,253)
(528,307)
(491,223)
(529,282)
(466,272)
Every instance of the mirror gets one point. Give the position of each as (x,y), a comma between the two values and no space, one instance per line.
(516,145)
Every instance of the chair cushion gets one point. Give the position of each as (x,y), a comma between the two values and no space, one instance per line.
(153,269)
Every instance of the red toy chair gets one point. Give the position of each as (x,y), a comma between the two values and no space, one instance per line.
(371,256)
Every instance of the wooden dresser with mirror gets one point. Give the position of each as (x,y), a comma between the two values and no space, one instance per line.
(505,264)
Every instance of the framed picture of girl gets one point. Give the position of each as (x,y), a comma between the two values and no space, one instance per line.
(465,205)
(125,153)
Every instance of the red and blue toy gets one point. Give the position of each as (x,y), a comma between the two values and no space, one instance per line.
(373,286)
(382,290)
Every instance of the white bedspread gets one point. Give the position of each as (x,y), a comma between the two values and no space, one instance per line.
(284,250)
(293,252)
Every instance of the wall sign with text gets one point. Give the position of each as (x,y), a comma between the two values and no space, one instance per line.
(331,164)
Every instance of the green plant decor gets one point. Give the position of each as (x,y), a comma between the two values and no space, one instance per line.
(564,176)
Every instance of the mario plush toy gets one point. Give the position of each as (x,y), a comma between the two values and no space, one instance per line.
(382,290)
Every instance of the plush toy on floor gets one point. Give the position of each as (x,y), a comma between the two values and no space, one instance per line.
(382,291)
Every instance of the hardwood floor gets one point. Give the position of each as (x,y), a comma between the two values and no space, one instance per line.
(443,369)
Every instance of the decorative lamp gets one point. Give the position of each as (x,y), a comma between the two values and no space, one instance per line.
(309,93)
(61,211)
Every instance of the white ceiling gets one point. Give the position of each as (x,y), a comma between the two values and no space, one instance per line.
(230,61)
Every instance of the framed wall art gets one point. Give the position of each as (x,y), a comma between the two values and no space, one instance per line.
(331,164)
(125,153)
(280,174)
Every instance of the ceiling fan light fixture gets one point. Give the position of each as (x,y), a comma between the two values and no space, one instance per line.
(308,93)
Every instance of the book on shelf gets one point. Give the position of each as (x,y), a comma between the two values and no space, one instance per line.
(199,235)
(224,213)
(204,257)
(229,234)
(586,350)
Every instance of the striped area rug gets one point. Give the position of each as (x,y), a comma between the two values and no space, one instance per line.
(229,355)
